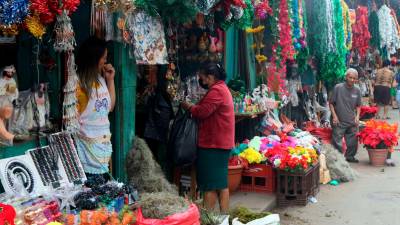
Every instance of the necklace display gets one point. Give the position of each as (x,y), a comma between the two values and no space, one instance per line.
(45,160)
(64,145)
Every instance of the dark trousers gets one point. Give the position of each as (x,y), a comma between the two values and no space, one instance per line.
(349,132)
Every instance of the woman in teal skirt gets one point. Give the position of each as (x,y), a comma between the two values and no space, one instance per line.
(215,137)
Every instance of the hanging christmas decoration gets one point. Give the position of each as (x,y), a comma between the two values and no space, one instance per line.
(70,112)
(373,26)
(347,26)
(34,26)
(262,9)
(282,51)
(13,11)
(101,22)
(361,35)
(49,9)
(389,37)
(393,13)
(64,33)
(241,14)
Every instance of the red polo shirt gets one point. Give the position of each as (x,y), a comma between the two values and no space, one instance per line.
(216,118)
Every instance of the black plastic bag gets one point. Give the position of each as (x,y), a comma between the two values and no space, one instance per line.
(183,139)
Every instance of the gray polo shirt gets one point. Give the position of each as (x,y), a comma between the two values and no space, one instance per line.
(345,101)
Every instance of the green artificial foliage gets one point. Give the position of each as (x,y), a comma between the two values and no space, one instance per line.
(373,26)
(179,11)
(318,40)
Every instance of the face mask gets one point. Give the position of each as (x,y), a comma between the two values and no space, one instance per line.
(202,85)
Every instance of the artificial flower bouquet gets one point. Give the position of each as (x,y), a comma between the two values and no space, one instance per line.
(294,152)
(378,134)
(368,112)
(292,159)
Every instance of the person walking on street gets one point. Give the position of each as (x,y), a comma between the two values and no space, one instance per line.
(383,82)
(345,105)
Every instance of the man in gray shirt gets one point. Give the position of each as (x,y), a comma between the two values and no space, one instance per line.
(345,105)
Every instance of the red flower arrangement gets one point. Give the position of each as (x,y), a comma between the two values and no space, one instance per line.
(364,110)
(262,9)
(361,35)
(49,9)
(378,133)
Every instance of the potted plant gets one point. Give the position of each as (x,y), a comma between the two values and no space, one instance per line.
(235,169)
(378,138)
(368,112)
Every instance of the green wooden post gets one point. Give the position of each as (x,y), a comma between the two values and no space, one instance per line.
(231,53)
(251,61)
(123,127)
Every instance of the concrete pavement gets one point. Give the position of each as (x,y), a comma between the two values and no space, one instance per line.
(372,199)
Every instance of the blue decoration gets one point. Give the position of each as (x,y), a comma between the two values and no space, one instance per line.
(13,11)
(296,23)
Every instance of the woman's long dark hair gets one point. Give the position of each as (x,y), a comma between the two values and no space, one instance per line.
(87,61)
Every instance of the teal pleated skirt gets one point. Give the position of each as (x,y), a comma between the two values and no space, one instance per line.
(212,169)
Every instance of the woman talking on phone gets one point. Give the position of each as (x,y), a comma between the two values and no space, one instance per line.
(96,98)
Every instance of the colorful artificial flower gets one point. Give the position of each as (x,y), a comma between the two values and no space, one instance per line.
(262,9)
(255,30)
(375,133)
(361,35)
(364,110)
(261,58)
(252,156)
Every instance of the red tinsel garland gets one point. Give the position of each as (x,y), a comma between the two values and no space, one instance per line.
(263,9)
(281,51)
(49,9)
(361,35)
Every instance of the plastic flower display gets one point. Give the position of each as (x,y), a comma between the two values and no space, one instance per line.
(291,158)
(378,133)
(365,110)
(252,156)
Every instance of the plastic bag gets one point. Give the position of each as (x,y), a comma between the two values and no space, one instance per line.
(183,139)
(272,219)
(190,217)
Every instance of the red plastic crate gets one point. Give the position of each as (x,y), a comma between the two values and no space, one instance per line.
(258,178)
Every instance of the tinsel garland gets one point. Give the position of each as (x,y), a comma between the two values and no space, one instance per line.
(373,26)
(179,11)
(70,110)
(64,33)
(361,35)
(13,11)
(333,64)
(330,20)
(395,20)
(262,9)
(244,21)
(389,37)
(49,9)
(319,28)
(347,25)
(282,51)
(34,26)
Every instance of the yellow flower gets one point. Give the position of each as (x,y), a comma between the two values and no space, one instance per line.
(255,30)
(261,58)
(35,27)
(252,156)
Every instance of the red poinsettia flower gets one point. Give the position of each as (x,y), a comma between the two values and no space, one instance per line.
(377,133)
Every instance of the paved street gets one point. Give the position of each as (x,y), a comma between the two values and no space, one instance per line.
(372,199)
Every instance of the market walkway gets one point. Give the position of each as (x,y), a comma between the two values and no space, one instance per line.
(372,199)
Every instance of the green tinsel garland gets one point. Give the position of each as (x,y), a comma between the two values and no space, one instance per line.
(334,63)
(318,40)
(373,26)
(179,11)
(246,21)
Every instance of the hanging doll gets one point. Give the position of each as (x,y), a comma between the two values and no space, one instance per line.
(8,86)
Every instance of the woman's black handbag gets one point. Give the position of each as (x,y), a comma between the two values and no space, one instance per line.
(183,139)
